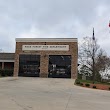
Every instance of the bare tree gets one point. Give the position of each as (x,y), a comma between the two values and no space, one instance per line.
(103,64)
(88,52)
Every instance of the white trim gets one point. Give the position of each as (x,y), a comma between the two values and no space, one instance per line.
(7,61)
(46,40)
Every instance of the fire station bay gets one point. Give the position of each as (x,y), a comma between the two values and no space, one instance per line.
(43,57)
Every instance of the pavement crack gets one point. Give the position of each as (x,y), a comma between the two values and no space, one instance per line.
(68,101)
(21,106)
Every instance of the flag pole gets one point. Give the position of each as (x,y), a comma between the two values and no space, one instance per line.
(93,37)
(109,26)
(93,56)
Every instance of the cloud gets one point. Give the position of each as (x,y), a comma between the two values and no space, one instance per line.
(53,18)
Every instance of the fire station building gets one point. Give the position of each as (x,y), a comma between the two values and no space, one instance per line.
(45,57)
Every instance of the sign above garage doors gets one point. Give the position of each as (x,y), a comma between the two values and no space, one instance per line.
(45,47)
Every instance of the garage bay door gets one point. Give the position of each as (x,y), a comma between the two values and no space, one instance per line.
(59,66)
(29,65)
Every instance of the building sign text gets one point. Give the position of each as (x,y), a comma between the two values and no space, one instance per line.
(45,47)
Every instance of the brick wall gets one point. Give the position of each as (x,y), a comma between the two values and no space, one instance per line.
(73,51)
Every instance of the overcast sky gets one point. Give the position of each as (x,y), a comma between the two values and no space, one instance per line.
(53,19)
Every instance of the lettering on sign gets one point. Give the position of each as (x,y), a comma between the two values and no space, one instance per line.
(45,47)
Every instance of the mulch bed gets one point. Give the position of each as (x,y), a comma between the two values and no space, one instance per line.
(98,86)
(101,86)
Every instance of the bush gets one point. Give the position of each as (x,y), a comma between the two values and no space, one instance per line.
(6,72)
(87,85)
(94,87)
(81,84)
(77,82)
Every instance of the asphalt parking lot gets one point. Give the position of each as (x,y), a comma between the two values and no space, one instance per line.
(49,94)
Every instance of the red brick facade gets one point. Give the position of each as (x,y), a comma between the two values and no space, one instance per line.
(44,55)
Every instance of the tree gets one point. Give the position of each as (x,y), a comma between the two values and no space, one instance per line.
(88,53)
(93,60)
(103,65)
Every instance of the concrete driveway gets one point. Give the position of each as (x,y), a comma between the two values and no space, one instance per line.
(49,94)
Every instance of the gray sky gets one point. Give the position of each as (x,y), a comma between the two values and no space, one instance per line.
(53,18)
